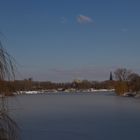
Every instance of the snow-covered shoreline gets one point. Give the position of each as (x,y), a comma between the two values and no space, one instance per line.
(65,91)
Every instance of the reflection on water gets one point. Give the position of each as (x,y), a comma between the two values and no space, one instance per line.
(9,129)
(79,116)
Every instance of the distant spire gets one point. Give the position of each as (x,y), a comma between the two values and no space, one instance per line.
(111,77)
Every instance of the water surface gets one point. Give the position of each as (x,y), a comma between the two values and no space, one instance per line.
(77,116)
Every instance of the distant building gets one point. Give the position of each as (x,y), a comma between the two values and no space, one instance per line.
(77,81)
(111,77)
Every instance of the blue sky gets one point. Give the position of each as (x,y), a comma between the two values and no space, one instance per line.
(62,40)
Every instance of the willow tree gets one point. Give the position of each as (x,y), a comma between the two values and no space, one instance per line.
(8,127)
(122,84)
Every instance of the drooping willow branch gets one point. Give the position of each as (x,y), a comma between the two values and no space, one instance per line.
(8,127)
(7,67)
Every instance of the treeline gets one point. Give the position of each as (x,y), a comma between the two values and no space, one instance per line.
(122,80)
(28,84)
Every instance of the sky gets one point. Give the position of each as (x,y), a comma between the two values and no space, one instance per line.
(63,40)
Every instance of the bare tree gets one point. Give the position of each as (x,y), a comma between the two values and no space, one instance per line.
(122,74)
(133,77)
(134,82)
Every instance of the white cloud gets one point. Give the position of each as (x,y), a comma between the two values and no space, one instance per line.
(84,19)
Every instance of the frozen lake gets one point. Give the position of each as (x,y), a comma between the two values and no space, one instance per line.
(77,116)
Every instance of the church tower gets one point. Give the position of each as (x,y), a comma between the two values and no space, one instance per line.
(111,77)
